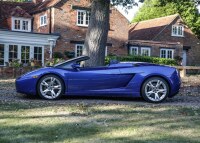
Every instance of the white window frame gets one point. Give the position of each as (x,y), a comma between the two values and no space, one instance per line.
(21,24)
(84,18)
(25,53)
(4,54)
(82,45)
(177,29)
(42,17)
(131,50)
(166,50)
(106,51)
(31,54)
(146,48)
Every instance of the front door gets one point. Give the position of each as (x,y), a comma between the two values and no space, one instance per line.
(184,61)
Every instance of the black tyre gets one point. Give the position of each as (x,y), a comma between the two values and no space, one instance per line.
(50,87)
(155,90)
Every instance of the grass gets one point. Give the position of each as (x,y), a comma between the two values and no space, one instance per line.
(29,122)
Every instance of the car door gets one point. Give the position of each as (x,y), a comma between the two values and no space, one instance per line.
(93,79)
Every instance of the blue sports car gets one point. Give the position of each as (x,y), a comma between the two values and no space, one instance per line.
(125,79)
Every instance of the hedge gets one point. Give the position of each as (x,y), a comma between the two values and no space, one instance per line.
(154,60)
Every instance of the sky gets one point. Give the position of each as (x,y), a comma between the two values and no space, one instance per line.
(129,14)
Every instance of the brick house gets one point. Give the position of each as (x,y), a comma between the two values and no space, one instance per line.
(18,40)
(39,28)
(166,37)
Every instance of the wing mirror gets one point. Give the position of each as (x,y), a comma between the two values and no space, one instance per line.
(76,67)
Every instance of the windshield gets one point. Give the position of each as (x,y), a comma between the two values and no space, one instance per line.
(68,64)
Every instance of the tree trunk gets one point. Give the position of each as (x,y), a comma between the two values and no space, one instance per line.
(96,37)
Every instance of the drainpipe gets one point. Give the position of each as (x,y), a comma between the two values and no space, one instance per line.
(50,23)
(52,45)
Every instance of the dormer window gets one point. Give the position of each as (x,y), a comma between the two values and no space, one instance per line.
(178,30)
(21,24)
(83,18)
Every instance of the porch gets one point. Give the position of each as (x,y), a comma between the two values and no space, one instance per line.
(25,46)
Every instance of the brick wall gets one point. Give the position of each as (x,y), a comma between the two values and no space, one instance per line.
(36,22)
(156,46)
(65,19)
(189,39)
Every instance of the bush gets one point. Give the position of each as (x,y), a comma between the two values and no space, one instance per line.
(154,60)
(57,55)
(69,54)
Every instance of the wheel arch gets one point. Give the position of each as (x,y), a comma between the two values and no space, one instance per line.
(160,76)
(55,74)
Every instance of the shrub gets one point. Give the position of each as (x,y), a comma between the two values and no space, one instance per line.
(69,54)
(15,63)
(154,60)
(57,55)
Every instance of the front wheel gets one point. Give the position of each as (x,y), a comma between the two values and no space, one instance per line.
(50,87)
(155,90)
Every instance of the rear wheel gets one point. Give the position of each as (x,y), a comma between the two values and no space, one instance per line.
(155,90)
(50,87)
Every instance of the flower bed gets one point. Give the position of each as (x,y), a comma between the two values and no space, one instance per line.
(13,72)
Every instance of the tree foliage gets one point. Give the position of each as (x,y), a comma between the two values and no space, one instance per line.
(158,8)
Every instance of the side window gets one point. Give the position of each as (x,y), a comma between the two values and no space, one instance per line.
(43,20)
(79,50)
(145,51)
(177,30)
(133,50)
(83,18)
(167,53)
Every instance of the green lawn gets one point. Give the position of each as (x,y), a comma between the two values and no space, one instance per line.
(29,122)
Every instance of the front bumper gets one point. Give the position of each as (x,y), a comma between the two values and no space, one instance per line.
(26,85)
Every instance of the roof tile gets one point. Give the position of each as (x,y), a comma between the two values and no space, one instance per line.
(149,29)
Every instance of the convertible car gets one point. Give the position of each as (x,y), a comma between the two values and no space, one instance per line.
(153,82)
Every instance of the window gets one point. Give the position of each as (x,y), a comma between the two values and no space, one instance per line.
(79,50)
(38,54)
(145,51)
(43,20)
(17,24)
(21,24)
(83,18)
(25,54)
(133,51)
(167,53)
(25,25)
(1,54)
(177,30)
(13,50)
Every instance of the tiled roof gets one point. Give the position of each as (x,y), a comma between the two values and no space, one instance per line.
(22,9)
(9,8)
(19,12)
(149,29)
(44,5)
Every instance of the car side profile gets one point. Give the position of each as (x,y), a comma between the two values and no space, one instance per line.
(153,82)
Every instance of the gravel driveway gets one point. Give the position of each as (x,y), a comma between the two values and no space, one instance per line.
(189,96)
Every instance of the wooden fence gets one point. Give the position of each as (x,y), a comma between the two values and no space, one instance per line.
(187,69)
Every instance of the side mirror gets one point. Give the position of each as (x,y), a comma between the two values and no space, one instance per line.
(76,67)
